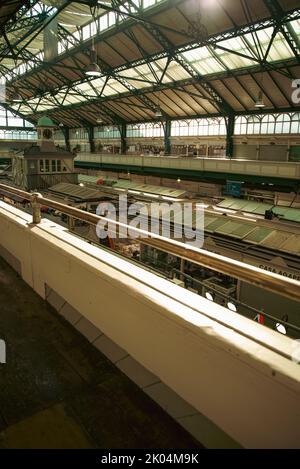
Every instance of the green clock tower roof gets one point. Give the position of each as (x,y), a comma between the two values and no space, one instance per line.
(45,122)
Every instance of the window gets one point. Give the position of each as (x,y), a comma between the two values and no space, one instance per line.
(8,119)
(199,127)
(41,166)
(47,166)
(53,166)
(148,130)
(58,166)
(79,134)
(107,132)
(295,124)
(269,124)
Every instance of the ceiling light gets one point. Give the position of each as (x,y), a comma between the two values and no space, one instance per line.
(134,192)
(224,210)
(260,101)
(253,220)
(231,306)
(178,180)
(93,69)
(158,112)
(16,97)
(209,296)
(99,120)
(61,124)
(151,195)
(170,199)
(280,328)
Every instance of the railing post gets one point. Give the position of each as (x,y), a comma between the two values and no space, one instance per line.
(36,208)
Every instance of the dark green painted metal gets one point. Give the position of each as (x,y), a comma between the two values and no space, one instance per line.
(181,83)
(91,135)
(123,132)
(167,131)
(170,51)
(230,132)
(5,160)
(284,184)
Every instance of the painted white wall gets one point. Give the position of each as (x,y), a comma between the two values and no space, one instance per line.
(202,351)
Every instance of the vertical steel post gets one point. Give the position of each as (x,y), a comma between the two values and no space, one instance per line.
(36,208)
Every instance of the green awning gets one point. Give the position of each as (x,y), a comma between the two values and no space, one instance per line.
(258,235)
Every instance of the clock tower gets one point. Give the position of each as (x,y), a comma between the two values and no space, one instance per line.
(45,134)
(43,164)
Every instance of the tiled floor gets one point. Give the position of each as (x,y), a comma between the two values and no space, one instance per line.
(58,391)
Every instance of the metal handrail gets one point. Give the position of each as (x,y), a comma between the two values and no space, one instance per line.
(247,273)
(235,301)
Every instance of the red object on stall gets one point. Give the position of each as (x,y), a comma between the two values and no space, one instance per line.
(259,318)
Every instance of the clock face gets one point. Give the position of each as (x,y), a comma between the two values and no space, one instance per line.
(47,133)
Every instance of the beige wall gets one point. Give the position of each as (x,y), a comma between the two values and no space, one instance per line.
(202,351)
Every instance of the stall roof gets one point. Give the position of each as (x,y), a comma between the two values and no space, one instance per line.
(92,181)
(259,208)
(76,192)
(253,233)
(136,186)
(278,240)
(149,189)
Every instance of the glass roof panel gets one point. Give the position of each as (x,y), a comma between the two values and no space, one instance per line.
(296,26)
(74,99)
(258,235)
(203,61)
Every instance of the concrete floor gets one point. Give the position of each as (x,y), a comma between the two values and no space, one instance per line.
(58,391)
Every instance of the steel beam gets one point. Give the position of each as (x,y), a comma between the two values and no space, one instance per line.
(230,121)
(286,29)
(190,45)
(167,136)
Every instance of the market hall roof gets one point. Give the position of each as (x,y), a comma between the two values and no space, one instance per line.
(190,58)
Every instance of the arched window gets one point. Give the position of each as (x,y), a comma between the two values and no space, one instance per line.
(295,124)
(283,124)
(253,125)
(241,125)
(268,124)
(184,128)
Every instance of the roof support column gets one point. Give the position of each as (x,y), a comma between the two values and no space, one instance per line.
(91,135)
(66,134)
(123,132)
(230,120)
(167,139)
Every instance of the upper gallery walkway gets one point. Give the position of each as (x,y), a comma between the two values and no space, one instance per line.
(199,168)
